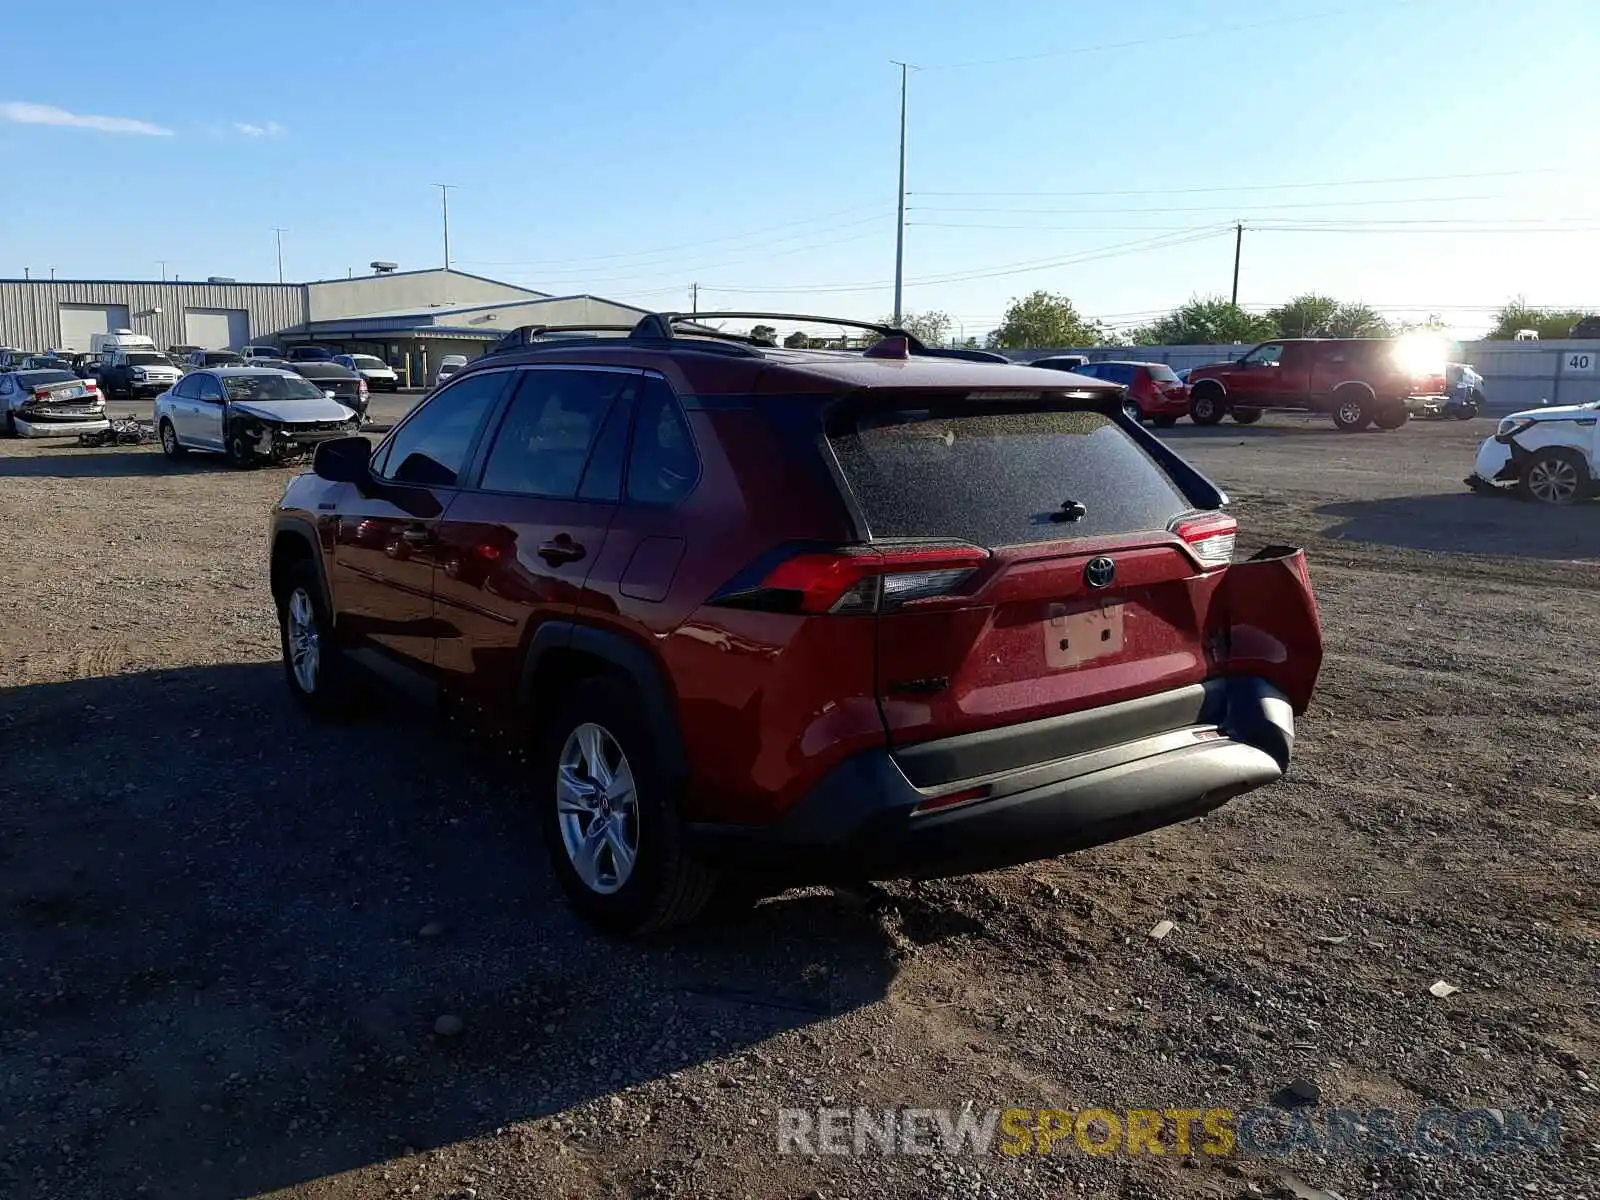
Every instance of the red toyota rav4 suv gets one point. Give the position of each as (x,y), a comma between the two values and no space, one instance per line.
(797,616)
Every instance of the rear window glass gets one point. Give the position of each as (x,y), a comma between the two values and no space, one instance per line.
(997,477)
(1162,373)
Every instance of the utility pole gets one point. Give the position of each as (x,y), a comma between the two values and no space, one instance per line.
(444,201)
(1238,247)
(900,223)
(27,272)
(52,273)
(694,299)
(162,263)
(280,233)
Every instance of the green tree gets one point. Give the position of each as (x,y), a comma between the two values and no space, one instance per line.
(1304,316)
(764,333)
(1549,323)
(1357,320)
(1205,320)
(797,340)
(930,328)
(1432,323)
(1044,320)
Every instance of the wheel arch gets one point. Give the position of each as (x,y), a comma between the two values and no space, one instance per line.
(562,653)
(293,541)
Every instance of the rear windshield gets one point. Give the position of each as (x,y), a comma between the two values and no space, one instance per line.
(997,477)
(219,357)
(1162,373)
(31,379)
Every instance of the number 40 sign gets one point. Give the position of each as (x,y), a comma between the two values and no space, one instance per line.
(1578,362)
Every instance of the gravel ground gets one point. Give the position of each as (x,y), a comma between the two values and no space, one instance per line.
(227,936)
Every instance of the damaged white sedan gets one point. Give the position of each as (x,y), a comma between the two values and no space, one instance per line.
(249,414)
(51,403)
(1551,454)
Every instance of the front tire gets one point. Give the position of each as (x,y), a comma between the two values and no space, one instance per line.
(1391,418)
(1206,407)
(609,816)
(239,451)
(320,679)
(1558,477)
(169,442)
(1352,409)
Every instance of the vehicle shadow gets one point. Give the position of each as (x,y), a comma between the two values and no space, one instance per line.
(106,462)
(225,978)
(1497,524)
(1185,431)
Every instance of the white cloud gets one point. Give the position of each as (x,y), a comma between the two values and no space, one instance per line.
(43,114)
(270,130)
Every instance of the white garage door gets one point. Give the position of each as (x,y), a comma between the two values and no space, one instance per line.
(81,321)
(216,328)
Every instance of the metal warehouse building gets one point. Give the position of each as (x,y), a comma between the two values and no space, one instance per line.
(410,319)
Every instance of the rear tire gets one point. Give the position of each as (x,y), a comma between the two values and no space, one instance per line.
(11,425)
(169,441)
(1131,410)
(1246,416)
(1391,418)
(1165,422)
(1206,406)
(1352,409)
(1558,477)
(639,877)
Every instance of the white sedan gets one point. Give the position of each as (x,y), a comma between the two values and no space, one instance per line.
(1551,455)
(250,414)
(380,376)
(51,403)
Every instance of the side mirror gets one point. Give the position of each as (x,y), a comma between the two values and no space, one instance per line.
(343,460)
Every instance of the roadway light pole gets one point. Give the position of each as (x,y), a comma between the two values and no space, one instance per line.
(444,202)
(280,233)
(900,223)
(162,263)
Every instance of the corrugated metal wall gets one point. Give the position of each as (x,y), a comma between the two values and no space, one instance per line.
(334,298)
(29,309)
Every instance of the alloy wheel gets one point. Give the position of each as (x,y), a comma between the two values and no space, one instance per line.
(305,651)
(1553,481)
(169,439)
(1350,412)
(1131,409)
(597,807)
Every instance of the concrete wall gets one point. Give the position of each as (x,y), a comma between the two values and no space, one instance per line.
(30,309)
(1516,374)
(333,298)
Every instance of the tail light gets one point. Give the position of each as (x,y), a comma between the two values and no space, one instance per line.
(858,579)
(90,385)
(1209,536)
(361,387)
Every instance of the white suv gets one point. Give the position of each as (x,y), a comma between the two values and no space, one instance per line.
(1552,455)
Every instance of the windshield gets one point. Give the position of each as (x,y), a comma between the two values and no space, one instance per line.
(33,379)
(269,387)
(149,360)
(368,362)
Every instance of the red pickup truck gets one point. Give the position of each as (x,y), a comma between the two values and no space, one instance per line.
(1358,381)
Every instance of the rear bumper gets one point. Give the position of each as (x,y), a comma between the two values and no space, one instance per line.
(1224,738)
(60,426)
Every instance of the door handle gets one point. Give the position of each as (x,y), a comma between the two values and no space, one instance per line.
(417,535)
(561,549)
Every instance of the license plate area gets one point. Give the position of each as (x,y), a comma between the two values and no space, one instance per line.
(1076,634)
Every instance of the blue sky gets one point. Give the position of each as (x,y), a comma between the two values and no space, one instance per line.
(617,148)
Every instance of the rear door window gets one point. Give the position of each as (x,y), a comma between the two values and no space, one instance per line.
(1162,373)
(998,475)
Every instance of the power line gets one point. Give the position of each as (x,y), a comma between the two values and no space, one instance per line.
(1396,200)
(1274,187)
(1216,31)
(711,241)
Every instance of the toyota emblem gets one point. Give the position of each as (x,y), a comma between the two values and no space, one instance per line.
(1099,572)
